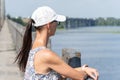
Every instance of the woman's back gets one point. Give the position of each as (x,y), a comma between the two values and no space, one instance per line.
(30,73)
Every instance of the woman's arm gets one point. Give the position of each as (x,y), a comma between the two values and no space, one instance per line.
(54,62)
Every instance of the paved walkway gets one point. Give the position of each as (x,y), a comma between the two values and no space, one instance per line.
(8,69)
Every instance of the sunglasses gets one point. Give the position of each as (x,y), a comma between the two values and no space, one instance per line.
(58,23)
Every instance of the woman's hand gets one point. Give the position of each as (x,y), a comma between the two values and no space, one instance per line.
(93,73)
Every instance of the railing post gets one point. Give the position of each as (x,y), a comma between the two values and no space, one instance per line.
(71,57)
(2,13)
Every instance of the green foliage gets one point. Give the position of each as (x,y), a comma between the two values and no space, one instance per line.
(78,22)
(110,21)
(61,25)
(17,20)
(8,16)
(100,21)
(81,22)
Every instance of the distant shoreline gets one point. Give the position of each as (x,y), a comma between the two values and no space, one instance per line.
(93,29)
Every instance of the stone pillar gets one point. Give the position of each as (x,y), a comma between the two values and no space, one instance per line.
(71,57)
(0,15)
(2,12)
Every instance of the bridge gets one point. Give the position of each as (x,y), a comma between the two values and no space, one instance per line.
(10,42)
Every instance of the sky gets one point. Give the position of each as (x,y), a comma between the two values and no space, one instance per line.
(70,8)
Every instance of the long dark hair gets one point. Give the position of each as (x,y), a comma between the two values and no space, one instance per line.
(22,57)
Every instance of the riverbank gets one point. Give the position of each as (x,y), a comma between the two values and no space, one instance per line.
(92,29)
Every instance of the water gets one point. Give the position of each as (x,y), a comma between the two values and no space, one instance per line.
(99,50)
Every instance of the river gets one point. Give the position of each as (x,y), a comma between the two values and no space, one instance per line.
(99,47)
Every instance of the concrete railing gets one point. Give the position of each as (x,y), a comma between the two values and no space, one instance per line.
(17,32)
(2,13)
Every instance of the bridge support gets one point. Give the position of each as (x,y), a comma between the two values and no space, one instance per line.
(2,13)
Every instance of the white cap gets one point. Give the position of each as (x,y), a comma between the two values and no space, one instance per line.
(44,15)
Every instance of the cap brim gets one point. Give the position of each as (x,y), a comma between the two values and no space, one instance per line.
(60,18)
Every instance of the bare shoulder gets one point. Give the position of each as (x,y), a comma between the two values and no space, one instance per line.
(47,55)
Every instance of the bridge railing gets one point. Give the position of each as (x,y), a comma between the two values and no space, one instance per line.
(17,32)
(2,13)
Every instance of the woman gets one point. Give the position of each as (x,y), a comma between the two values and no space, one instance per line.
(40,63)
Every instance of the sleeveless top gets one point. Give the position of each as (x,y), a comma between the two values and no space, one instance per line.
(30,73)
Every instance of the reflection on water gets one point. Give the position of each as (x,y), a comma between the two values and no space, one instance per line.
(99,50)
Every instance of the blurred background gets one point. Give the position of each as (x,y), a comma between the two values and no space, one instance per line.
(92,27)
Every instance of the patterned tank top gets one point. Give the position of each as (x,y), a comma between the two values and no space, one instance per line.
(30,73)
